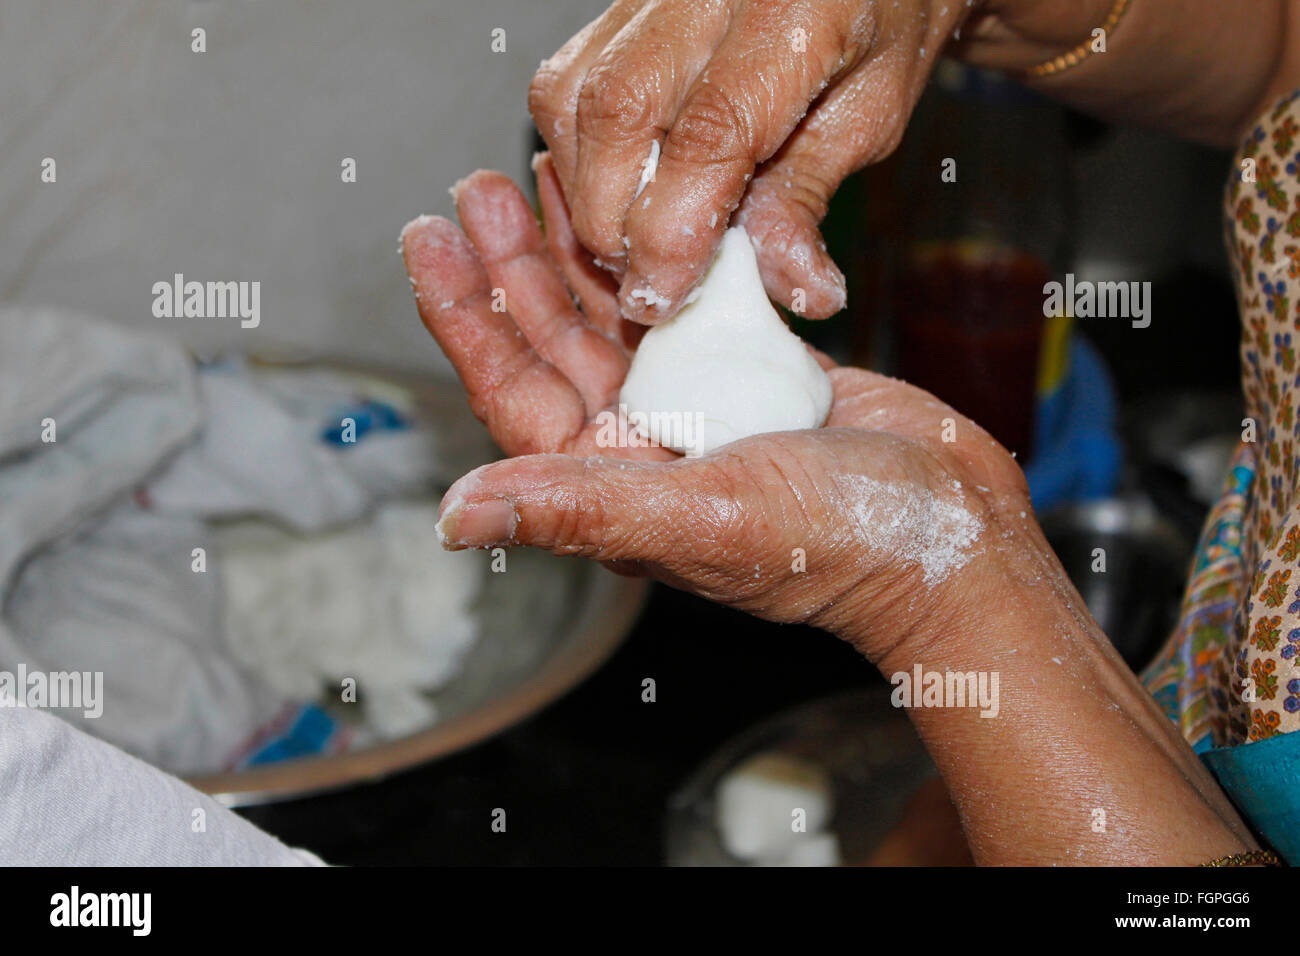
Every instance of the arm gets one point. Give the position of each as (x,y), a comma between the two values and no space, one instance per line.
(1075,732)
(1198,70)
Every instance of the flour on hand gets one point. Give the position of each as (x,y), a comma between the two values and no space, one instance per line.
(914,524)
(725,367)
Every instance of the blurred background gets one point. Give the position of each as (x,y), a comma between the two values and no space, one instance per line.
(225,165)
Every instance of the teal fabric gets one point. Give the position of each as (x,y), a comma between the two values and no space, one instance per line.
(1263,780)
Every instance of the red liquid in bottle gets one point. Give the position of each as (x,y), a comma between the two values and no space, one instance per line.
(969,327)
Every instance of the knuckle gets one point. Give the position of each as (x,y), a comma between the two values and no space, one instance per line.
(577,533)
(547,94)
(783,239)
(790,202)
(749,483)
(717,127)
(859,29)
(890,138)
(615,103)
(814,187)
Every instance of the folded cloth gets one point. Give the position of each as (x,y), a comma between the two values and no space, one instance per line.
(119,597)
(121,473)
(87,411)
(1263,780)
(271,447)
(91,582)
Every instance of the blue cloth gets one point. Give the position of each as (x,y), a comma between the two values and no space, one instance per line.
(1078,454)
(311,733)
(1263,780)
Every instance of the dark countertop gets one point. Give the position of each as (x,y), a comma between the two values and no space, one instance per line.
(587,780)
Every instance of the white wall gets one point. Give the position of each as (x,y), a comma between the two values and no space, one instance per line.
(224,165)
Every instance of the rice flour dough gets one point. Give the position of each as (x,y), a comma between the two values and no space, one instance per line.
(725,367)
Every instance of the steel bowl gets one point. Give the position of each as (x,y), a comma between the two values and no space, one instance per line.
(546,624)
(1136,598)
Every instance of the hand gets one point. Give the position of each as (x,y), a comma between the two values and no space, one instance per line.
(918,550)
(793,95)
(873,527)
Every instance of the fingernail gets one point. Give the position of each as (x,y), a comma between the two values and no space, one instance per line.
(456,188)
(419,222)
(478,525)
(839,293)
(640,300)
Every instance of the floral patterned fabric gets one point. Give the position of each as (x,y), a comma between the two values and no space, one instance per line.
(1231,672)
(1183,674)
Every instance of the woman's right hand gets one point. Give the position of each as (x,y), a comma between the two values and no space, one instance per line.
(793,95)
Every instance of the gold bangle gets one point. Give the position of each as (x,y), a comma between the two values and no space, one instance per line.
(1253,858)
(1074,57)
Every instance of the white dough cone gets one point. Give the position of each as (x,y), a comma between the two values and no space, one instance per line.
(725,367)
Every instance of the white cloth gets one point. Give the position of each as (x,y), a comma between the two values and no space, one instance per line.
(297,605)
(119,597)
(72,800)
(261,453)
(97,536)
(98,532)
(88,580)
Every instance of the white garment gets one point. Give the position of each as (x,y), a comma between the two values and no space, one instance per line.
(72,800)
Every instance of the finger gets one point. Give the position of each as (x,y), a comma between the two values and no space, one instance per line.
(526,403)
(791,192)
(500,224)
(748,101)
(627,103)
(553,93)
(601,508)
(593,286)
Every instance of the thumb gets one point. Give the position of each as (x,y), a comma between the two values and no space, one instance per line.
(791,192)
(603,508)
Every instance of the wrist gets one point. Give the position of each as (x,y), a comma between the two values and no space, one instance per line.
(1015,35)
(1009,589)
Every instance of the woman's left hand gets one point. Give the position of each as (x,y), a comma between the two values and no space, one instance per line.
(922,552)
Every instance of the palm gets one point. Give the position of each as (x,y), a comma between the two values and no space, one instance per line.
(497,298)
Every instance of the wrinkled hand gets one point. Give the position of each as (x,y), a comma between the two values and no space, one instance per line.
(795,94)
(872,527)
